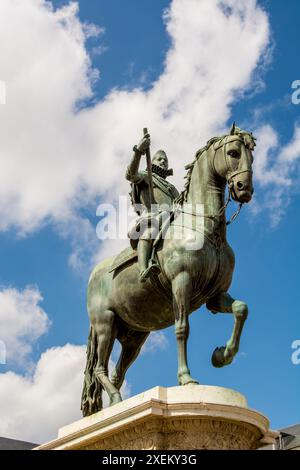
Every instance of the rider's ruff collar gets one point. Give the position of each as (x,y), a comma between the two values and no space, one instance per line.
(161,171)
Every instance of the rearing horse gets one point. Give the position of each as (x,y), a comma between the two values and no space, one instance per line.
(120,307)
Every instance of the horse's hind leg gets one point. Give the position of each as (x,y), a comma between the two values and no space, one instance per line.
(131,342)
(106,331)
(226,304)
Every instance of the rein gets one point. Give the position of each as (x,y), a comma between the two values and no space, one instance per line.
(219,214)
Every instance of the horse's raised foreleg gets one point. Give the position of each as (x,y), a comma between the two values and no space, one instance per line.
(226,304)
(131,342)
(106,331)
(181,289)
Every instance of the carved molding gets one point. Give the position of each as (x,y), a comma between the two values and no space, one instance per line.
(182,433)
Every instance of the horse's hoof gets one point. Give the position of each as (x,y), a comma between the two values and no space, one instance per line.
(186,379)
(191,382)
(217,358)
(114,399)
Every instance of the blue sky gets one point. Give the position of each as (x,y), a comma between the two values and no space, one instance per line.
(134,47)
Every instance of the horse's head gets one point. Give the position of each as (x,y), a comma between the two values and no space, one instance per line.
(233,162)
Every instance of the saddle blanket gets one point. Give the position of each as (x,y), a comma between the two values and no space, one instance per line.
(123,258)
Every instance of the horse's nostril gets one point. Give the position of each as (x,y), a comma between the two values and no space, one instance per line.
(240,185)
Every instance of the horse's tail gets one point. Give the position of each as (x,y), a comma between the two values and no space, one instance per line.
(91,400)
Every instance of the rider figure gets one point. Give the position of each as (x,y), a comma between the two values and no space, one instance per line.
(151,217)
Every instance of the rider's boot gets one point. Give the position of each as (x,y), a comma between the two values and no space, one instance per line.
(144,253)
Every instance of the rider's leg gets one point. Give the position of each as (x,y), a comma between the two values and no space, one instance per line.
(144,249)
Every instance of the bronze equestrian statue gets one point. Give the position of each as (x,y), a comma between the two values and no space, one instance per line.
(122,307)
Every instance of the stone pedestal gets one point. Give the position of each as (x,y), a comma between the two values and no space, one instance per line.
(177,418)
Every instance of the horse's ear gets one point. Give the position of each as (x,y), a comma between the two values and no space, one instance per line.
(232,130)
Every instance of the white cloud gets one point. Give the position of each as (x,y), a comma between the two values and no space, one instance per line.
(267,140)
(22,322)
(33,408)
(56,159)
(291,153)
(47,70)
(81,235)
(157,341)
(277,170)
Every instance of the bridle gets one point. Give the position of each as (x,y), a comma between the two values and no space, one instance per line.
(231,174)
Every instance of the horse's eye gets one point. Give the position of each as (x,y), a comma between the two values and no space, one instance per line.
(234,153)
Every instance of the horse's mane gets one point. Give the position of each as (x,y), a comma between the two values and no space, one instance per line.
(249,140)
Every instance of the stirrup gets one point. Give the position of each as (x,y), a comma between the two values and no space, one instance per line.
(153,269)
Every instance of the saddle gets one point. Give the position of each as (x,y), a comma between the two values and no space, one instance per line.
(123,258)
